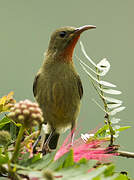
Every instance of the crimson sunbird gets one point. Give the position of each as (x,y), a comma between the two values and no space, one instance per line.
(57,86)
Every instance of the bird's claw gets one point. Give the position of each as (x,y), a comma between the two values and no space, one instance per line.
(46,149)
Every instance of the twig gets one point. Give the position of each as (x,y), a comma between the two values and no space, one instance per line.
(17,145)
(107,117)
(125,154)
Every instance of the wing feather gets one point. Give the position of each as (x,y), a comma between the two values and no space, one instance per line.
(80,87)
(35,85)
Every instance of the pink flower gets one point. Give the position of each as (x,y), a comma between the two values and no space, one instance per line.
(87,147)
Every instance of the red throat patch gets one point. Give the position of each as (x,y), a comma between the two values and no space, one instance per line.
(68,52)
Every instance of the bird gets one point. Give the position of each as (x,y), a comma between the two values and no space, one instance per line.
(57,86)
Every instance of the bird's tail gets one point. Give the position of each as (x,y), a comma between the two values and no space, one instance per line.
(53,141)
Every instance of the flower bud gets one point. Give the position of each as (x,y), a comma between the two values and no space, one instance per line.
(5,137)
(26,113)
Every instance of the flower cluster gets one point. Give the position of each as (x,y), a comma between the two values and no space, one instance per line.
(26,113)
(87,147)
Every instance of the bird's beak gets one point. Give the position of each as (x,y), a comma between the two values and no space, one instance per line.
(73,38)
(83,28)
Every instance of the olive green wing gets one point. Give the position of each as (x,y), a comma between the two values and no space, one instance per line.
(35,84)
(80,87)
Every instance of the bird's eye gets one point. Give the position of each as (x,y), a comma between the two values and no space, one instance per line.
(62,34)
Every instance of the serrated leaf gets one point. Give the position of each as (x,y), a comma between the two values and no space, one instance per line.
(113,112)
(110,91)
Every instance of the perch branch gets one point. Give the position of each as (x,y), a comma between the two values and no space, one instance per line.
(125,154)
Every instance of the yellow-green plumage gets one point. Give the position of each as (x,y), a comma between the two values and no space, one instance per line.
(57,86)
(59,93)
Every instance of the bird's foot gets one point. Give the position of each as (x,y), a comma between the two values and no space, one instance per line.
(46,149)
(35,144)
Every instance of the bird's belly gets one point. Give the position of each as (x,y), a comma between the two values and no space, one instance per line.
(61,103)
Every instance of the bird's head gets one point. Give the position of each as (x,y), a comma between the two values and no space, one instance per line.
(63,41)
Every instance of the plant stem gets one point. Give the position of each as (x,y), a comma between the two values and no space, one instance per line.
(31,136)
(106,109)
(126,154)
(17,145)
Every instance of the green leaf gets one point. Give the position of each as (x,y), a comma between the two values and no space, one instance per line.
(121,177)
(43,162)
(26,161)
(13,130)
(82,161)
(97,178)
(63,161)
(69,161)
(4,121)
(3,159)
(79,172)
(31,174)
(123,128)
(109,171)
(96,172)
(102,131)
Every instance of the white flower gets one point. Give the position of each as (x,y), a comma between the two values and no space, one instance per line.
(86,136)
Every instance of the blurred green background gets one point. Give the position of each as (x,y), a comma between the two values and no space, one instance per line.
(25,28)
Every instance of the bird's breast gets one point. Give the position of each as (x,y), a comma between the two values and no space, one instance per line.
(59,95)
